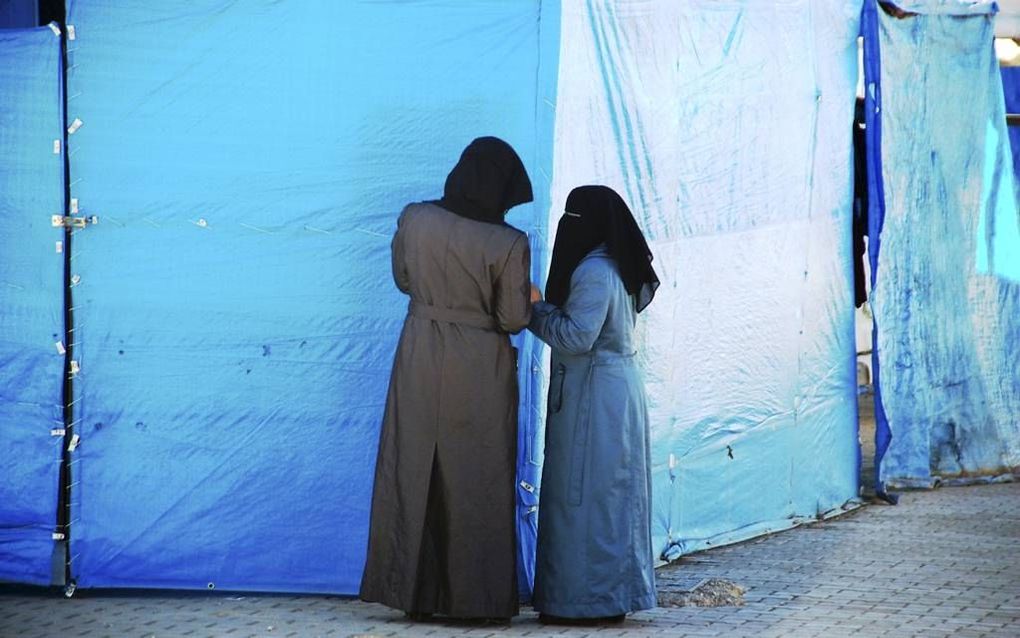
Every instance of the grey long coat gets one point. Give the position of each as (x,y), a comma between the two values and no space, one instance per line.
(442,537)
(594,522)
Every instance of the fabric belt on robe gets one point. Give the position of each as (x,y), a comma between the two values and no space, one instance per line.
(466,318)
(599,358)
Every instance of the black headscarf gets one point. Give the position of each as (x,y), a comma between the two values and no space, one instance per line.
(488,180)
(597,215)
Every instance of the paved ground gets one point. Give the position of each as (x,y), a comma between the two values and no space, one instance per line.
(942,563)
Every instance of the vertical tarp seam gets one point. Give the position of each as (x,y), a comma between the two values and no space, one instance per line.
(529,455)
(66,472)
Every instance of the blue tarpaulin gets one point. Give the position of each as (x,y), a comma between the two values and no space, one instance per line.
(248,162)
(946,297)
(31,300)
(235,320)
(19,14)
(234,317)
(1011,92)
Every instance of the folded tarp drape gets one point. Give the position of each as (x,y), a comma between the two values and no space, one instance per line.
(947,286)
(237,316)
(31,301)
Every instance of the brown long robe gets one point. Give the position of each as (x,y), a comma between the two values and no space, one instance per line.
(442,537)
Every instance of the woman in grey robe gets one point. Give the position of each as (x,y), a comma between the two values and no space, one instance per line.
(594,558)
(442,537)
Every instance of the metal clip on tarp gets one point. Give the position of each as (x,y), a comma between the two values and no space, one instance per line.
(73,222)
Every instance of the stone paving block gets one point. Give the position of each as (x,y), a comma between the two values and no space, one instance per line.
(827,580)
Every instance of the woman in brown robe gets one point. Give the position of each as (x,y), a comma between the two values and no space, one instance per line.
(442,537)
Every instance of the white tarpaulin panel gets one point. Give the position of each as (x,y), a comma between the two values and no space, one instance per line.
(726,126)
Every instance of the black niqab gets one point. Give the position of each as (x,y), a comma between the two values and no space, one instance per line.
(488,180)
(597,215)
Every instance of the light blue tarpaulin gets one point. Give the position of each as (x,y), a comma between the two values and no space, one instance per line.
(237,319)
(31,301)
(947,7)
(726,126)
(947,289)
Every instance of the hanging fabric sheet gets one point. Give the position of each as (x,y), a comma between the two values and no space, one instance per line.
(31,302)
(238,320)
(946,295)
(234,310)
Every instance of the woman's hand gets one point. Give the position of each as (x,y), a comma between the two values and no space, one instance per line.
(536,294)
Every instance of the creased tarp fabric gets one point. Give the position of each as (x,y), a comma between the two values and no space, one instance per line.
(31,301)
(946,309)
(726,126)
(19,14)
(237,318)
(237,324)
(948,7)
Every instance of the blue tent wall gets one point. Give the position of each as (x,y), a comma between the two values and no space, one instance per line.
(19,14)
(946,300)
(31,301)
(726,126)
(237,320)
(1011,92)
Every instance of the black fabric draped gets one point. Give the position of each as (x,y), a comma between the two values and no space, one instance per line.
(860,204)
(597,215)
(488,180)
